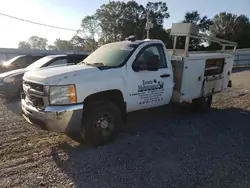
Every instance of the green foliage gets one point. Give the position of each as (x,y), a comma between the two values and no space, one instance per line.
(203,23)
(231,27)
(62,45)
(77,41)
(118,19)
(24,45)
(89,29)
(39,43)
(34,42)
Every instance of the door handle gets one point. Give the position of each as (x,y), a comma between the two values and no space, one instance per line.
(165,75)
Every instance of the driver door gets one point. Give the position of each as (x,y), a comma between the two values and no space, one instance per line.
(149,88)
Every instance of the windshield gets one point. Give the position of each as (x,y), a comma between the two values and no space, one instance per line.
(39,63)
(7,63)
(111,55)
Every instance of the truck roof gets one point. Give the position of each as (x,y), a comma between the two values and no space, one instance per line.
(136,42)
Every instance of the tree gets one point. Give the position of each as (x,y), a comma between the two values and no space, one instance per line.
(77,41)
(168,39)
(34,42)
(90,29)
(203,23)
(62,45)
(89,43)
(24,45)
(118,19)
(38,43)
(109,16)
(158,12)
(231,27)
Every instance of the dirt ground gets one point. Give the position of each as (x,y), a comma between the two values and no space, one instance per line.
(163,147)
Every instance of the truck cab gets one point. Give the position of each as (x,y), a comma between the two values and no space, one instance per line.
(93,97)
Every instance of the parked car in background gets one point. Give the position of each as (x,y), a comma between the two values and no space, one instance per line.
(11,81)
(19,62)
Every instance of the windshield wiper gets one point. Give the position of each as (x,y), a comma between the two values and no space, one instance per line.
(82,62)
(98,64)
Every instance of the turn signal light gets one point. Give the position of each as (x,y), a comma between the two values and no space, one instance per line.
(72,94)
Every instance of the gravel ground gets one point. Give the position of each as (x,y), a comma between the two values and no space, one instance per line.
(162,147)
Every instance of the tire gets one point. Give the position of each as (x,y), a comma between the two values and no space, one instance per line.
(101,123)
(202,104)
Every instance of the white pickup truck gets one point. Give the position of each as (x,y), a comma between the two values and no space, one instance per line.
(93,97)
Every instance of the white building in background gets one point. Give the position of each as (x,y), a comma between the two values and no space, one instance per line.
(242,57)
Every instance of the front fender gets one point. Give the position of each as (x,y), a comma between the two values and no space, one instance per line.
(91,83)
(88,88)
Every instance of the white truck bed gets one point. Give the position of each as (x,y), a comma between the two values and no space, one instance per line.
(199,74)
(190,79)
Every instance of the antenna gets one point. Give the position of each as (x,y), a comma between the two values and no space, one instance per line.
(149,24)
(131,38)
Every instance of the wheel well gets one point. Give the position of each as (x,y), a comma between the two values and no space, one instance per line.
(114,96)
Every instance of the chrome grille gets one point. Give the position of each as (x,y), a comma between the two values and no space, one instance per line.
(33,94)
(34,86)
(35,101)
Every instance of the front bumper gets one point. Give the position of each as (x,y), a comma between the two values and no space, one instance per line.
(61,119)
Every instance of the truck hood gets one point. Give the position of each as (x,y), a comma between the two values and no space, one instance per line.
(13,73)
(52,76)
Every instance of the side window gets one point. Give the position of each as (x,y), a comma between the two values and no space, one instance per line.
(152,50)
(59,62)
(20,62)
(25,61)
(29,60)
(35,58)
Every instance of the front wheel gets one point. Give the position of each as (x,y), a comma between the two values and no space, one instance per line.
(101,123)
(202,104)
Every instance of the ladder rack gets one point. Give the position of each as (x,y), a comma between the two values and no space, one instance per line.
(190,30)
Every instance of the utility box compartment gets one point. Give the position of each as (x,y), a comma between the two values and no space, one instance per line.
(200,75)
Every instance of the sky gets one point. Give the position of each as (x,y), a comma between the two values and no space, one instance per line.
(69,13)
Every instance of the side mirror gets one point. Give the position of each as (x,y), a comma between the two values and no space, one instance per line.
(153,63)
(136,66)
(139,65)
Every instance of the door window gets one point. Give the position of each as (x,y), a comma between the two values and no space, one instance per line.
(20,63)
(35,58)
(152,50)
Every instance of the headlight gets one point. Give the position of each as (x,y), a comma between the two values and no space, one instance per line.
(5,64)
(10,80)
(62,94)
(46,90)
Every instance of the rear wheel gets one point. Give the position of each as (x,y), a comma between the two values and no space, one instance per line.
(101,123)
(202,104)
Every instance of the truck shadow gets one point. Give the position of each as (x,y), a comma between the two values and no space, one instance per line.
(14,106)
(165,147)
